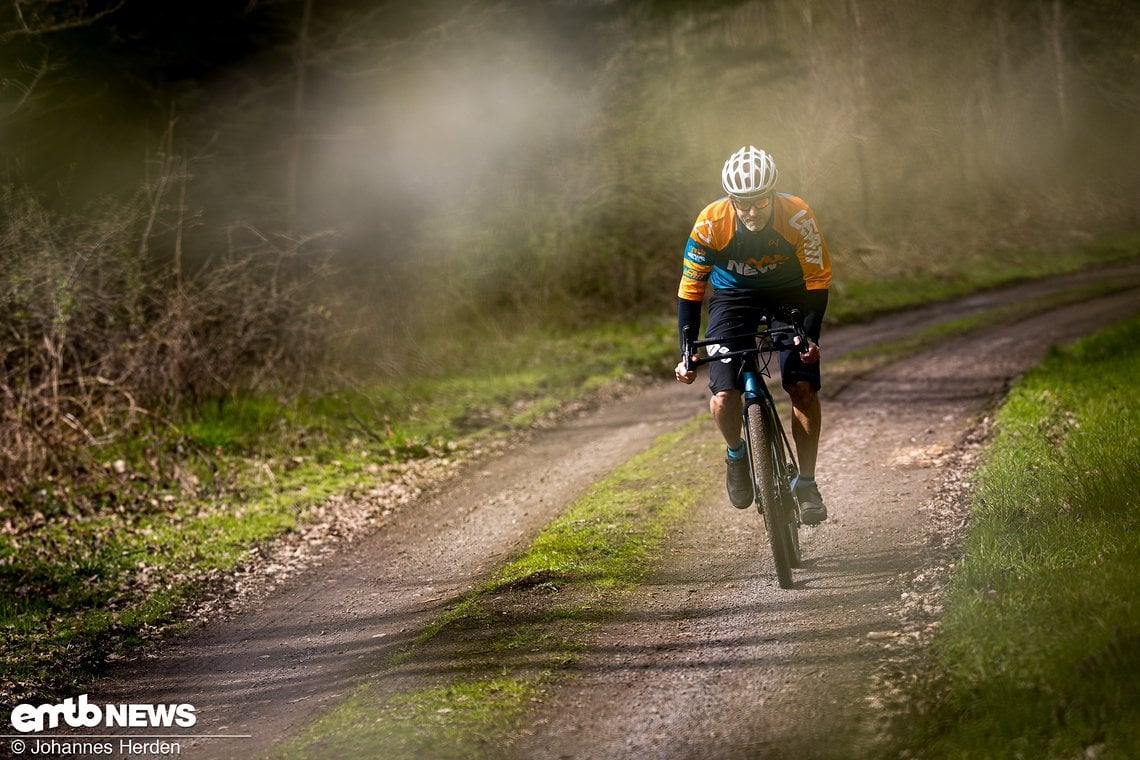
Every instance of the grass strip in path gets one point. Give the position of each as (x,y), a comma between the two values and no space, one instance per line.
(472,675)
(1041,638)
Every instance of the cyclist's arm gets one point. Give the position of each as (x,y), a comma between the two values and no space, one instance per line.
(688,317)
(814,307)
(688,320)
(710,233)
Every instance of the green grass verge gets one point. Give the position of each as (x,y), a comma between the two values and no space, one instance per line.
(860,298)
(1041,638)
(515,633)
(86,575)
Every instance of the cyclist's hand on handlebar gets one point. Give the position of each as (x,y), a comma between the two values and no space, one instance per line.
(685,376)
(811,354)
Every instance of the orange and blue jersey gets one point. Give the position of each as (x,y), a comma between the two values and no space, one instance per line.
(789,252)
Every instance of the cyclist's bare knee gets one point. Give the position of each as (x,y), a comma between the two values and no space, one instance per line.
(725,405)
(725,400)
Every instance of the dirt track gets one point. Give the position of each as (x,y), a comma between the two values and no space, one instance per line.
(712,660)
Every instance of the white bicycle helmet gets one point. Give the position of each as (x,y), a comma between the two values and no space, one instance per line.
(748,172)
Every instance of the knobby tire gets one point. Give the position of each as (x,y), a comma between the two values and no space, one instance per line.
(762,443)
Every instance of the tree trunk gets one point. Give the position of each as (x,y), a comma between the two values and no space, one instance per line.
(860,109)
(292,186)
(1054,26)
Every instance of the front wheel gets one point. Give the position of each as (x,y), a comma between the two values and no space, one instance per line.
(763,448)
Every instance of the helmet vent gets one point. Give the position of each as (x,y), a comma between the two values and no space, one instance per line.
(748,172)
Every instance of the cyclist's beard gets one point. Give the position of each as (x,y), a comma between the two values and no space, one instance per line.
(756,223)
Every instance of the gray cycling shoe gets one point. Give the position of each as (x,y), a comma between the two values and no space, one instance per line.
(812,509)
(739,482)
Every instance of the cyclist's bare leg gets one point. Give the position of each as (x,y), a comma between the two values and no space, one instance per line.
(726,407)
(806,419)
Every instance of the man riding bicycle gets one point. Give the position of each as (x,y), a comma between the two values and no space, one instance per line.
(759,250)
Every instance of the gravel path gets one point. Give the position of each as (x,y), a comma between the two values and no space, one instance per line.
(712,660)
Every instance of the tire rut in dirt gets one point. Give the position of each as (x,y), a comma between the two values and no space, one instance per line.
(712,661)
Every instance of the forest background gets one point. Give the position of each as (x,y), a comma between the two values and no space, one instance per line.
(200,200)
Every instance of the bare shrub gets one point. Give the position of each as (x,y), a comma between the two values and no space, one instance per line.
(104,334)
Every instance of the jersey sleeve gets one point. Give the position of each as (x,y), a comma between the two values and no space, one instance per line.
(710,233)
(695,269)
(811,250)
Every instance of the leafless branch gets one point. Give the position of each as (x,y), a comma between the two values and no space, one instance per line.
(38,73)
(38,26)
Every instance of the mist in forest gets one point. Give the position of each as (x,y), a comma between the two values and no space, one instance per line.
(471,161)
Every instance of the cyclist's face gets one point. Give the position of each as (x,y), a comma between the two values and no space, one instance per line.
(754,213)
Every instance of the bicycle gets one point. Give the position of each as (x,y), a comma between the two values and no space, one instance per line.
(770,459)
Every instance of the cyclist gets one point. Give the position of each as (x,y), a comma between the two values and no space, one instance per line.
(758,249)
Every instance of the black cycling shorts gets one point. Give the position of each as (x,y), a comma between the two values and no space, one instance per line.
(733,312)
